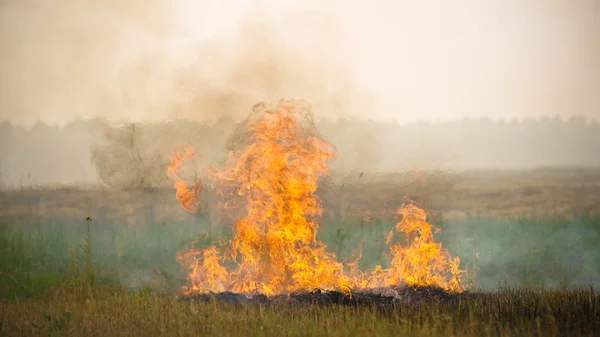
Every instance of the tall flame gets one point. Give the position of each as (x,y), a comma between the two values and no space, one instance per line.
(274,248)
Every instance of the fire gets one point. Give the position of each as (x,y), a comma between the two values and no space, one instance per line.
(274,247)
(420,261)
(186,193)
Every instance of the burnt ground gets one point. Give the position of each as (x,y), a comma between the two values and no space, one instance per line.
(388,298)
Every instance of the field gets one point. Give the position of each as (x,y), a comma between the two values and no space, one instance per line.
(528,238)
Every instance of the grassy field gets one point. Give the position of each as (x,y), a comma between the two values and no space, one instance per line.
(128,286)
(534,275)
(115,312)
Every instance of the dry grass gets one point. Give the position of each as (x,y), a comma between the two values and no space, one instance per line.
(117,312)
(137,231)
(368,196)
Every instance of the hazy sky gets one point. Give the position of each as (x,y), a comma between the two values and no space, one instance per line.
(404,60)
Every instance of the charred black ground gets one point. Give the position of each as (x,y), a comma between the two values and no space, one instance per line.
(382,298)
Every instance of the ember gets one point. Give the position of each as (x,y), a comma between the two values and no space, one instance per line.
(272,177)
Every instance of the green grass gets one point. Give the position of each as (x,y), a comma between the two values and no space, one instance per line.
(33,259)
(532,252)
(60,279)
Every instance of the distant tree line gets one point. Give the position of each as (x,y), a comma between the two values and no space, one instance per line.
(136,155)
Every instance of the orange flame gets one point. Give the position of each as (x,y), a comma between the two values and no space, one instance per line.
(274,249)
(186,193)
(421,261)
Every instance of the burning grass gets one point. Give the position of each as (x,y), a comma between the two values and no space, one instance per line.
(271,179)
(68,308)
(271,275)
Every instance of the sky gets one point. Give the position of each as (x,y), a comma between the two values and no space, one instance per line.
(388,60)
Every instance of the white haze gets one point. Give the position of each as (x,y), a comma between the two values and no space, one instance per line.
(403,60)
(381,60)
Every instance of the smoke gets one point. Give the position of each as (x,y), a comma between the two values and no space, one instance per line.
(212,61)
(143,61)
(548,252)
(63,59)
(404,59)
